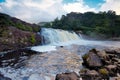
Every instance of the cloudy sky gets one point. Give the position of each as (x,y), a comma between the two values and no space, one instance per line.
(35,11)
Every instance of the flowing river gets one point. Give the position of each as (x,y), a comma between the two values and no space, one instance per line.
(61,52)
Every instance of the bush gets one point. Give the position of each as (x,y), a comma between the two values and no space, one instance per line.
(103,71)
(32,39)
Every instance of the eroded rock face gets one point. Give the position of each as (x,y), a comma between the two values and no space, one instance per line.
(16,38)
(67,76)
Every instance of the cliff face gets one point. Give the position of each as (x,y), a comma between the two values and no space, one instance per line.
(15,33)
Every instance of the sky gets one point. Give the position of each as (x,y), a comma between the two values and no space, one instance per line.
(35,11)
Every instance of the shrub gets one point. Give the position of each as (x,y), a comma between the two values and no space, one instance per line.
(103,71)
(32,39)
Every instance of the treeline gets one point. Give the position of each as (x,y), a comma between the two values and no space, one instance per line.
(106,24)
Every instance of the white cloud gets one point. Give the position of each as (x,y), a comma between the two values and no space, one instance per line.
(41,10)
(111,5)
(33,10)
(78,6)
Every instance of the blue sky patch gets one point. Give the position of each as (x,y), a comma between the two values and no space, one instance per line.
(68,1)
(2,0)
(93,3)
(90,3)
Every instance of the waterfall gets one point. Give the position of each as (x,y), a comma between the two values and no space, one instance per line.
(52,36)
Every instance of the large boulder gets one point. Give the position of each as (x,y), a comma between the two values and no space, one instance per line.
(67,76)
(92,60)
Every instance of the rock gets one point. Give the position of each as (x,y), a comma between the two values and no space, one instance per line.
(4,78)
(89,75)
(116,52)
(15,58)
(107,63)
(116,60)
(67,76)
(36,77)
(18,39)
(112,69)
(115,78)
(92,60)
(102,54)
(109,51)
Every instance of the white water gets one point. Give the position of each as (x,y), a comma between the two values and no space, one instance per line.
(56,37)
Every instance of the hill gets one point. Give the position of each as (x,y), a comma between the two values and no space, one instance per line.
(15,33)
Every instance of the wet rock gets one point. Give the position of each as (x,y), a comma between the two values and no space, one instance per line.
(107,63)
(115,52)
(92,60)
(4,78)
(15,58)
(109,51)
(67,76)
(89,75)
(102,54)
(112,69)
(115,78)
(116,60)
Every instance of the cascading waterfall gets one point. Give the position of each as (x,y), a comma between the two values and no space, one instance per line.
(57,37)
(53,36)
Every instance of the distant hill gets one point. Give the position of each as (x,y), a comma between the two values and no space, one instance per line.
(103,24)
(15,33)
(6,20)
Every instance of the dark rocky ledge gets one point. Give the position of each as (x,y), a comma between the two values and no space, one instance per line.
(15,58)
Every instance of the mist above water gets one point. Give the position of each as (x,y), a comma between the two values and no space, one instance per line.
(57,37)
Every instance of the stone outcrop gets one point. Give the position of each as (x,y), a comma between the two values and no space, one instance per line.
(101,65)
(15,58)
(15,33)
(92,60)
(16,38)
(67,76)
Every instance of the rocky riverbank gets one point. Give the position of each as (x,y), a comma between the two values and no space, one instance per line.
(25,64)
(98,65)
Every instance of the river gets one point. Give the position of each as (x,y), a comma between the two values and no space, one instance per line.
(61,52)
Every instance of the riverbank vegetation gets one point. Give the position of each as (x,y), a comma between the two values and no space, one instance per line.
(105,24)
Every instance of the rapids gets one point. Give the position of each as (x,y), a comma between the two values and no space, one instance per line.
(61,52)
